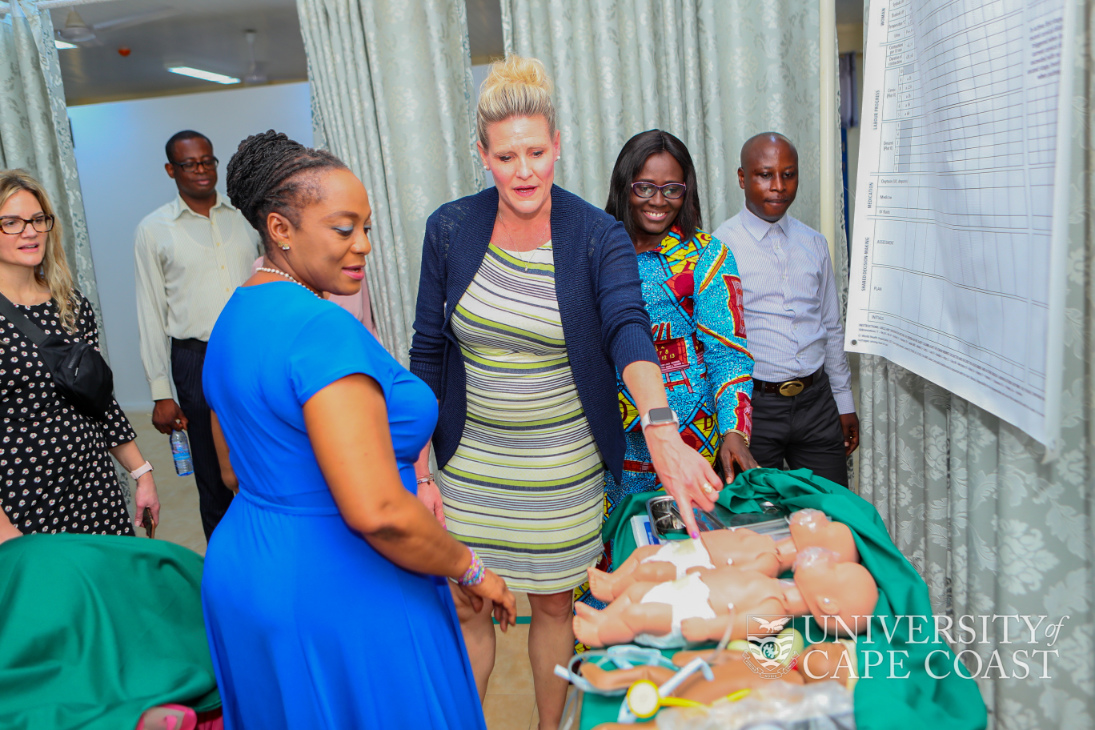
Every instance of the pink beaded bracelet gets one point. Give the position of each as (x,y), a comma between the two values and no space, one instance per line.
(475,573)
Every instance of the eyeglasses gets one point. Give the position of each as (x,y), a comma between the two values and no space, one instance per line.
(672,191)
(209,163)
(13,225)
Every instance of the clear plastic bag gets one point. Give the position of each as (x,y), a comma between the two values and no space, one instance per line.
(778,706)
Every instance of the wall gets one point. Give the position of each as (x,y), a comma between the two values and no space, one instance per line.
(120,155)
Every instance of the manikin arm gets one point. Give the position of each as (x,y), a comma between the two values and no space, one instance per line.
(697,630)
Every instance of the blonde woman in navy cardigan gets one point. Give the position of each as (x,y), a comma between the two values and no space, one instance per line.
(529,302)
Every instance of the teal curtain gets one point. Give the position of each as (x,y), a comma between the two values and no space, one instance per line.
(35,133)
(392,97)
(712,72)
(993,523)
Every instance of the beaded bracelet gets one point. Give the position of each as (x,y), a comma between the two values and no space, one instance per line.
(423,480)
(475,573)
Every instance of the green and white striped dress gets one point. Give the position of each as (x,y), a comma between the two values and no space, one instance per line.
(525,487)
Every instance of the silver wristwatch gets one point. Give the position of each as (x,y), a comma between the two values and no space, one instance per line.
(659,417)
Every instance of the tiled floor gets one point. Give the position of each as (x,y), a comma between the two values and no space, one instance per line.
(510,701)
(179,520)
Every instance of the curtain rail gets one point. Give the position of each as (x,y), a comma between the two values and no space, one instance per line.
(55,4)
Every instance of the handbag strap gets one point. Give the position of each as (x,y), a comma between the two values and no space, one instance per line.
(22,323)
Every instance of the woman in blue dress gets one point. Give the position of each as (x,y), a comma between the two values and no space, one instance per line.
(325,589)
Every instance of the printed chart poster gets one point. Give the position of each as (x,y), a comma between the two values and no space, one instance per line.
(954,254)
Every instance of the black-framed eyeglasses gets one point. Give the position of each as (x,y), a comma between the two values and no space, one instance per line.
(672,191)
(209,163)
(13,225)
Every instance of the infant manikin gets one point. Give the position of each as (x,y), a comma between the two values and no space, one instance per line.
(704,603)
(739,548)
(817,663)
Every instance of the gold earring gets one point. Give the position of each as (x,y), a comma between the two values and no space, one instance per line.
(284,247)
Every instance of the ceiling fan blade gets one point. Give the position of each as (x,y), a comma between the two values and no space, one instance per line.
(128,21)
(75,30)
(256,74)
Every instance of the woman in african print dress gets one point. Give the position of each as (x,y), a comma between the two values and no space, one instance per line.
(694,298)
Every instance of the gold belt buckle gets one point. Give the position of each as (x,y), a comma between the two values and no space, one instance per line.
(791,388)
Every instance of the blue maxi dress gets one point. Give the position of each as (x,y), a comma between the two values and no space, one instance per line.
(308,626)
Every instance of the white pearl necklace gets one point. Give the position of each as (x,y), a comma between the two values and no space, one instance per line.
(291,278)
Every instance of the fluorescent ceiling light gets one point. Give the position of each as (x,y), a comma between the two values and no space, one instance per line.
(197,73)
(61,45)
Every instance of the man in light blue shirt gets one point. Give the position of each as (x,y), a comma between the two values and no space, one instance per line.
(803,412)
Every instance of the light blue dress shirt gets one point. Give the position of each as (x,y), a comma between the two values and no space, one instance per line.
(792,314)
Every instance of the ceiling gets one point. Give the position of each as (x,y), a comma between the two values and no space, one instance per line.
(849,12)
(209,34)
(206,34)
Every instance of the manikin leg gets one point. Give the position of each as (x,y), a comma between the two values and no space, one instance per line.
(606,586)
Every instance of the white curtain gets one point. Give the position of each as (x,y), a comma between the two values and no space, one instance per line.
(392,97)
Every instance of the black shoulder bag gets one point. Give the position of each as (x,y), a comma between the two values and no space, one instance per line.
(79,372)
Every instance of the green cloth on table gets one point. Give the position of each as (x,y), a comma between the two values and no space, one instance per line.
(95,629)
(881,703)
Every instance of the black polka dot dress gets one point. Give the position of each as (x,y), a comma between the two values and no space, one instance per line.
(56,472)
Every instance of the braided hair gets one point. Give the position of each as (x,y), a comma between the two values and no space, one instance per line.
(271,173)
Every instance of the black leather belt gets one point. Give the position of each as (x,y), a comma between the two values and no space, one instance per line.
(787,388)
(192,345)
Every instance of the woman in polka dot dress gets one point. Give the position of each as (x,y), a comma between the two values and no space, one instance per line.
(55,469)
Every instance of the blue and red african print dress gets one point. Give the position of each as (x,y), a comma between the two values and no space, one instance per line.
(694,298)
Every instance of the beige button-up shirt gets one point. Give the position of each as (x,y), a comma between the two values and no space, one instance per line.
(187,268)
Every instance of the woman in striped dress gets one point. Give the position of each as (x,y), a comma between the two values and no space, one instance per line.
(529,301)
(527,475)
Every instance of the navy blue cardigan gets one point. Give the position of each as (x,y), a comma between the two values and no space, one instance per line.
(605,323)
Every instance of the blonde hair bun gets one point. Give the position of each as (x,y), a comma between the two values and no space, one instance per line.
(515,87)
(517,71)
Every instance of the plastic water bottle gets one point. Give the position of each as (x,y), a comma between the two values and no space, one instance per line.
(180,452)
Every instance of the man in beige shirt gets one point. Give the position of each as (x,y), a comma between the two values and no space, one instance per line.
(191,254)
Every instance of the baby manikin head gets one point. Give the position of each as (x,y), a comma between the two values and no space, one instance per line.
(811,528)
(841,596)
